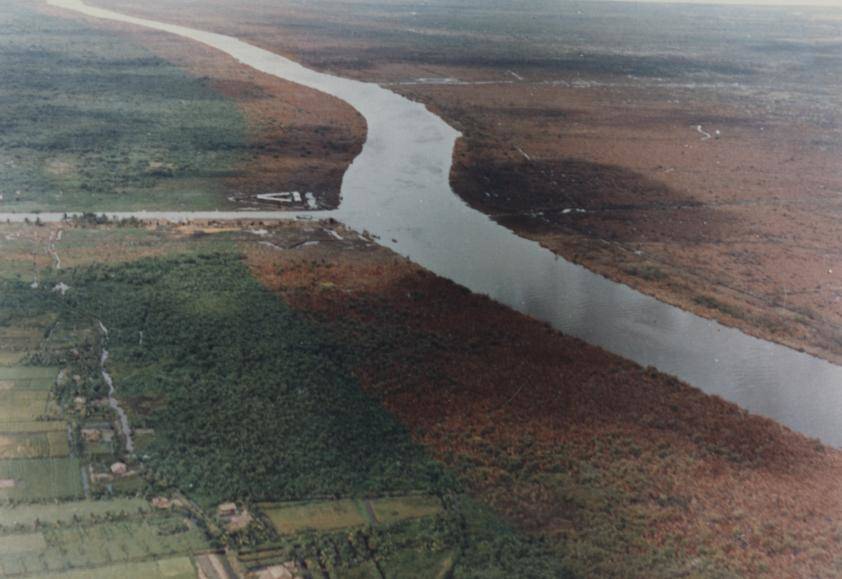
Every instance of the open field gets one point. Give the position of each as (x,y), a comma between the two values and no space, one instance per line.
(101,545)
(20,339)
(11,358)
(68,513)
(292,518)
(590,137)
(169,568)
(322,516)
(41,478)
(34,445)
(390,510)
(28,377)
(22,373)
(22,405)
(35,426)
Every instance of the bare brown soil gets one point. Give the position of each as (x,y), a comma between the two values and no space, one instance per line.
(740,228)
(616,463)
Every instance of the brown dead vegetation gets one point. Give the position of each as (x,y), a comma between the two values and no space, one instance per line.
(515,408)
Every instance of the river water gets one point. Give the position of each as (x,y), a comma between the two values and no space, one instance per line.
(398,188)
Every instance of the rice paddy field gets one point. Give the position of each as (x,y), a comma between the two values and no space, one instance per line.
(67,513)
(75,546)
(36,479)
(169,568)
(292,518)
(47,527)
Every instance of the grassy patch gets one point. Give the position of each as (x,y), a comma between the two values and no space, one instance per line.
(169,568)
(28,373)
(19,339)
(393,509)
(56,478)
(33,426)
(293,518)
(75,512)
(411,564)
(34,445)
(11,545)
(22,405)
(118,538)
(11,358)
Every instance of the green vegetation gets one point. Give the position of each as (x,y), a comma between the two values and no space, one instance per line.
(389,510)
(27,377)
(16,339)
(170,568)
(34,445)
(28,373)
(33,426)
(89,541)
(92,121)
(318,516)
(41,478)
(11,358)
(25,405)
(248,399)
(464,540)
(295,517)
(232,395)
(50,514)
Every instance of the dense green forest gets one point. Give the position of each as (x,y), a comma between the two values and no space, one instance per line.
(248,399)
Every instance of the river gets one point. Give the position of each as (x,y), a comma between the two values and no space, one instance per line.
(398,188)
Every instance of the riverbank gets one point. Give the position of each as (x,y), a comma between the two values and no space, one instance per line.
(738,228)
